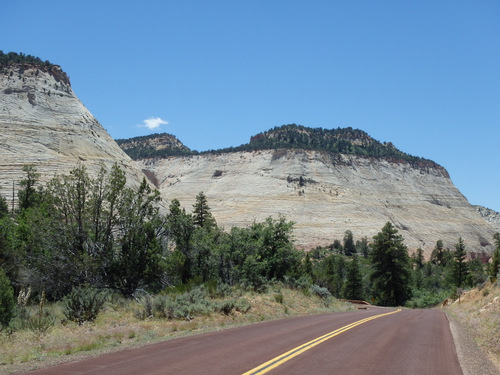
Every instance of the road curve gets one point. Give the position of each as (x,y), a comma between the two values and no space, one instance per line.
(406,342)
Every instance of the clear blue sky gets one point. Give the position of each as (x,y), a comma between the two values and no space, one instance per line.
(424,75)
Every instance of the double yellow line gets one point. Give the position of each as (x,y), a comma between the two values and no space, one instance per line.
(275,362)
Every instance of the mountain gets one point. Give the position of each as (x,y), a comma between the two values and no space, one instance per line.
(43,123)
(327,182)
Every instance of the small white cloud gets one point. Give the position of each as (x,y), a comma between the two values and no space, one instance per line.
(153,123)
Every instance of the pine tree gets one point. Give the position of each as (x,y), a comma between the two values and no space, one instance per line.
(201,212)
(459,270)
(353,287)
(391,268)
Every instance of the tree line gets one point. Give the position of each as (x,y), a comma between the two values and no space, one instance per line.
(21,58)
(81,231)
(292,137)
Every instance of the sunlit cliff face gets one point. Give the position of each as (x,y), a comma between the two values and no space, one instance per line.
(326,196)
(43,123)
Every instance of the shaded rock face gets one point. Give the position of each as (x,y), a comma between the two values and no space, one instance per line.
(326,195)
(43,123)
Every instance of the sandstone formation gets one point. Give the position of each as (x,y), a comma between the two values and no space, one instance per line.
(43,123)
(490,216)
(325,195)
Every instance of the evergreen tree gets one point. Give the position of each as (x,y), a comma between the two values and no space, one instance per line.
(10,257)
(6,299)
(418,258)
(4,208)
(363,247)
(308,270)
(349,248)
(438,254)
(460,270)
(180,226)
(28,196)
(138,258)
(201,212)
(390,263)
(353,287)
(494,266)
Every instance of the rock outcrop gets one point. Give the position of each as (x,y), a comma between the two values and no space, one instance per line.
(155,145)
(43,123)
(326,194)
(491,216)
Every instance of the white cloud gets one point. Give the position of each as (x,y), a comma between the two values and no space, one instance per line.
(153,123)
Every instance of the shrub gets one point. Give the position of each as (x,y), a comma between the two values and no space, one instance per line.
(278,297)
(242,305)
(38,319)
(226,307)
(193,303)
(83,304)
(320,291)
(224,290)
(145,309)
(424,298)
(7,303)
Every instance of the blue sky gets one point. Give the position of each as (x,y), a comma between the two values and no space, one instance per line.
(424,75)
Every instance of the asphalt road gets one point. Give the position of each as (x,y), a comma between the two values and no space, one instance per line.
(372,341)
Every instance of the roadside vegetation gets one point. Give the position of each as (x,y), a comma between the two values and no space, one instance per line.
(90,264)
(478,310)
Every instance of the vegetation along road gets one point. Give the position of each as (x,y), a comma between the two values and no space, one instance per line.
(368,341)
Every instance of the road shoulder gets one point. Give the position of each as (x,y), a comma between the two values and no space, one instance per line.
(472,359)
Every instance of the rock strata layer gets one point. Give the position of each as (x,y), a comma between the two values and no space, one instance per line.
(43,123)
(326,195)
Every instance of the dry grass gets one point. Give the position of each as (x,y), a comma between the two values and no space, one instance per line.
(479,312)
(117,328)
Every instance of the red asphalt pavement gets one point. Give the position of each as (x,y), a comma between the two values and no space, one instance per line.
(408,342)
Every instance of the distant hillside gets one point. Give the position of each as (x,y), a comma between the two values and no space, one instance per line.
(153,146)
(338,141)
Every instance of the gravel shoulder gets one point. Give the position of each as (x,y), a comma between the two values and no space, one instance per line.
(472,359)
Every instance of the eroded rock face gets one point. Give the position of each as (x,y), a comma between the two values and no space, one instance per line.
(490,216)
(43,123)
(325,196)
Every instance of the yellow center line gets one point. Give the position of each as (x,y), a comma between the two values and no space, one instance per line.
(275,362)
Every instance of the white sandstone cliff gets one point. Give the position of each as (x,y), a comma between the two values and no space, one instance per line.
(326,196)
(43,123)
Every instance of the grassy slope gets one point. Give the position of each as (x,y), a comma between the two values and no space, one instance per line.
(479,313)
